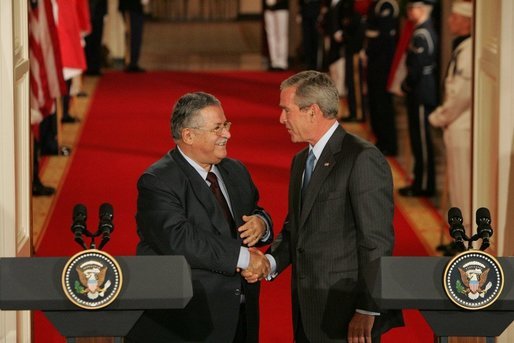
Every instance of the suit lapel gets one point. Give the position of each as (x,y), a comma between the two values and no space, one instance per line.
(295,187)
(324,166)
(202,193)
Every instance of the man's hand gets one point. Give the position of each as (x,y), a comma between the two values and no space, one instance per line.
(359,329)
(258,268)
(253,230)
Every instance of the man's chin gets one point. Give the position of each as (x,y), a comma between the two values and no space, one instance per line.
(295,139)
(221,154)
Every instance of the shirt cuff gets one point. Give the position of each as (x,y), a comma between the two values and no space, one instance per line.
(369,313)
(273,268)
(244,258)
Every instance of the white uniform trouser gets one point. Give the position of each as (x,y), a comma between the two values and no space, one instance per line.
(276,25)
(458,163)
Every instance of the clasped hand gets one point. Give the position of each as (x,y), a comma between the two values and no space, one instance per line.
(258,268)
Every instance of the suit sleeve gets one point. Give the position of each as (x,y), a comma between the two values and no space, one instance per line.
(163,224)
(371,188)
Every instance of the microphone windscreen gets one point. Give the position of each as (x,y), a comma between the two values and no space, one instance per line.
(79,211)
(481,214)
(106,210)
(454,212)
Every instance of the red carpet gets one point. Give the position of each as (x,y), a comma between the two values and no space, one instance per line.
(128,128)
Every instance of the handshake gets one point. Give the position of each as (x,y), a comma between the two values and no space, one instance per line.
(258,268)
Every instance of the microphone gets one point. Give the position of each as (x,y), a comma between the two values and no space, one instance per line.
(456,228)
(79,223)
(105,226)
(484,230)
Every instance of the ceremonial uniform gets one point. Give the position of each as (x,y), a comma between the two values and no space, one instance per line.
(454,115)
(421,88)
(352,18)
(381,37)
(276,23)
(309,12)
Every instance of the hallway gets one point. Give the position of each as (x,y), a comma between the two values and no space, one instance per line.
(200,46)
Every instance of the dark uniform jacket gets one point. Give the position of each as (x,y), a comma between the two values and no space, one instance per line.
(421,65)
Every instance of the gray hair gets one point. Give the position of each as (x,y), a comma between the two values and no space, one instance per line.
(313,87)
(187,109)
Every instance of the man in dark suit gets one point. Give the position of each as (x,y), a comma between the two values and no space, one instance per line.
(340,219)
(181,212)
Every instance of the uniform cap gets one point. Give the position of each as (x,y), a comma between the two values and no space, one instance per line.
(463,8)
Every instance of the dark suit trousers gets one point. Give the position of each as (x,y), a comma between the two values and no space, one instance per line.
(241,331)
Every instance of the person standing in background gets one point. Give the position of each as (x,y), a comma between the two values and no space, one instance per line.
(309,16)
(381,37)
(352,18)
(97,10)
(420,86)
(334,37)
(276,24)
(454,115)
(134,16)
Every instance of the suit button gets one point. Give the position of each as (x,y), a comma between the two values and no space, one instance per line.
(301,250)
(237,291)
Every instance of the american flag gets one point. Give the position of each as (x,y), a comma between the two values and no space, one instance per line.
(46,78)
(398,70)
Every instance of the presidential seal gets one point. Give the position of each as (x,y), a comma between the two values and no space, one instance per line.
(473,280)
(92,279)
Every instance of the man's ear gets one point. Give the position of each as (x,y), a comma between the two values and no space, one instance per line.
(315,110)
(187,136)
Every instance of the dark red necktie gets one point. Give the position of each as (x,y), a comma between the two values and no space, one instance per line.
(216,190)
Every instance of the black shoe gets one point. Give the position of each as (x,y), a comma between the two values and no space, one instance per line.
(42,190)
(276,69)
(68,119)
(54,151)
(410,191)
(134,69)
(65,151)
(93,73)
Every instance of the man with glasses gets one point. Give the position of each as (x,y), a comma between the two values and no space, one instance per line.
(198,203)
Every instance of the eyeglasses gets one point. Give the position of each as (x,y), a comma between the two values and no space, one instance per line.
(218,130)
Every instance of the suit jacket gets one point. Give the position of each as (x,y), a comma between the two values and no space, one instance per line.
(330,237)
(178,215)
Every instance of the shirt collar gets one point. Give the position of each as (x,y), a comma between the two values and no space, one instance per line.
(317,149)
(199,169)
